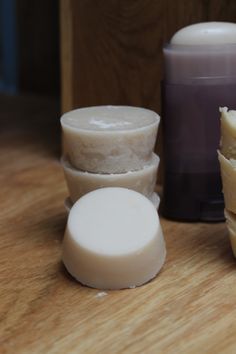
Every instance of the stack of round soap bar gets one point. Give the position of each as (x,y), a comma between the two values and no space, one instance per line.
(227,159)
(110,146)
(113,239)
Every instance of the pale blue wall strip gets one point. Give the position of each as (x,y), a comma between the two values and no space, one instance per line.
(8,42)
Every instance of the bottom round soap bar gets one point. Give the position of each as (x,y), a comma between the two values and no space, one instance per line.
(113,239)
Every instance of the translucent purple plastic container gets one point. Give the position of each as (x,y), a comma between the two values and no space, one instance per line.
(198,80)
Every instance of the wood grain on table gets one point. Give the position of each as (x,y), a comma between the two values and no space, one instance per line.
(188,308)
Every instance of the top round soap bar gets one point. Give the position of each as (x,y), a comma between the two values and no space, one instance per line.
(206,33)
(109,139)
(109,118)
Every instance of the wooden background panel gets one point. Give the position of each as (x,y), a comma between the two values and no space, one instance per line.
(114,53)
(181,13)
(112,50)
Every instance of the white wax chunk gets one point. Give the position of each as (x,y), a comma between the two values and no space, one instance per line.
(80,182)
(206,33)
(113,239)
(109,139)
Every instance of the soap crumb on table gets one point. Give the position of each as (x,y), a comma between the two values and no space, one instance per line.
(101,294)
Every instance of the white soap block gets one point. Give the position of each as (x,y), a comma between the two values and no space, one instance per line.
(154,198)
(109,139)
(228,133)
(80,182)
(113,239)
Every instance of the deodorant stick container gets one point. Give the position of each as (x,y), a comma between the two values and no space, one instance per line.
(200,76)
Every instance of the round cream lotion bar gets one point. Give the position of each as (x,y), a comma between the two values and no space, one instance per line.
(113,239)
(109,139)
(81,182)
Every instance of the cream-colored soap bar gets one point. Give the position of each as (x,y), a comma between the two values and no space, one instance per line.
(228,176)
(109,139)
(228,133)
(80,182)
(113,239)
(231,224)
(154,198)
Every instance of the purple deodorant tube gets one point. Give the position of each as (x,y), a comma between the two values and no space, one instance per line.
(200,76)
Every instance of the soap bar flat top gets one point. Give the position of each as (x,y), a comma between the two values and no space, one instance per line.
(113,221)
(109,118)
(206,33)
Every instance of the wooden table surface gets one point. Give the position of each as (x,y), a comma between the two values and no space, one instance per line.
(189,308)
